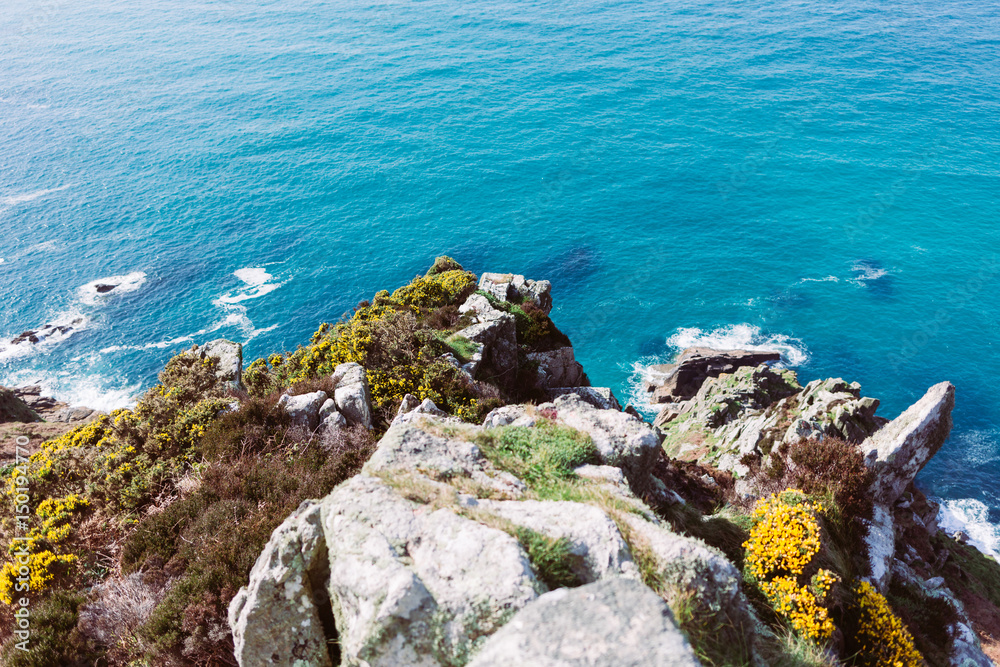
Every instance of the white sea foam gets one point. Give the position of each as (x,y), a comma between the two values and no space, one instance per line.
(827,279)
(258,283)
(14,200)
(866,272)
(92,294)
(742,337)
(971,517)
(733,337)
(92,391)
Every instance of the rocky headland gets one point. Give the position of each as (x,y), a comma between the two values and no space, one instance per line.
(432,481)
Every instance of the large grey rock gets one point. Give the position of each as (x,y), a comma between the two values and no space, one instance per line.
(509,415)
(498,336)
(594,538)
(352,395)
(330,417)
(834,407)
(410,409)
(599,397)
(558,368)
(670,383)
(515,288)
(406,448)
(277,618)
(611,623)
(304,409)
(415,587)
(881,542)
(621,439)
(229,359)
(964,647)
(898,451)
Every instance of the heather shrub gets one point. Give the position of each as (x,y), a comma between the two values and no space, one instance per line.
(55,639)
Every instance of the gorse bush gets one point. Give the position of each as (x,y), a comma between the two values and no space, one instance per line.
(187,487)
(882,638)
(783,544)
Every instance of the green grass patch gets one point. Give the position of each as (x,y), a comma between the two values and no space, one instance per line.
(542,455)
(552,558)
(462,347)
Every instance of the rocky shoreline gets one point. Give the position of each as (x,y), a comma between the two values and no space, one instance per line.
(433,482)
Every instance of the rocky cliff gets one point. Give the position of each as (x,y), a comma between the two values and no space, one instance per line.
(432,481)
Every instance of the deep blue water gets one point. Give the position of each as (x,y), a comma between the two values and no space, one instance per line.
(817,176)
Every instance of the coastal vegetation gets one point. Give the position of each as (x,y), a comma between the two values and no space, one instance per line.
(145,523)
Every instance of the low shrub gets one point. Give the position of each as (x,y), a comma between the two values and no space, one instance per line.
(780,553)
(55,639)
(881,637)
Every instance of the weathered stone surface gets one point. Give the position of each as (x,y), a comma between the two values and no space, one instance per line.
(901,449)
(408,586)
(13,409)
(621,439)
(229,356)
(834,407)
(352,395)
(611,623)
(304,409)
(407,448)
(515,288)
(594,538)
(964,647)
(681,380)
(426,408)
(277,618)
(509,415)
(558,368)
(498,336)
(330,417)
(599,397)
(881,543)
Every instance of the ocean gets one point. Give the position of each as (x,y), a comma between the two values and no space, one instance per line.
(816,178)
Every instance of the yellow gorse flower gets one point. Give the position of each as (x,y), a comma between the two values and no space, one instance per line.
(783,542)
(883,637)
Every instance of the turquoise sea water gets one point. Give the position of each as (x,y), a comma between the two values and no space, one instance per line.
(818,177)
